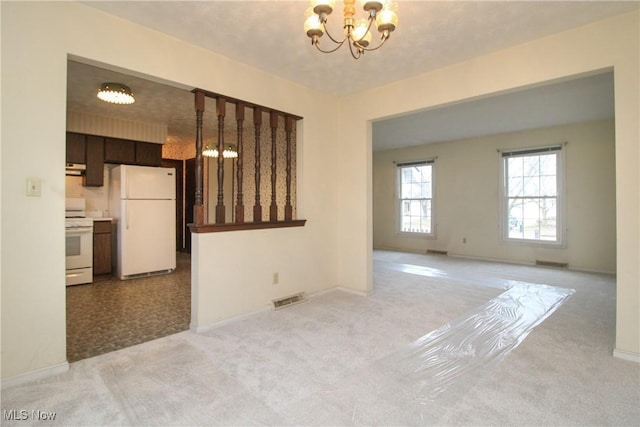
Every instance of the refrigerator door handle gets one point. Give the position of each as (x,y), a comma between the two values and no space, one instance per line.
(127,218)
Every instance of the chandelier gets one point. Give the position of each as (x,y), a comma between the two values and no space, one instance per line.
(116,93)
(357,32)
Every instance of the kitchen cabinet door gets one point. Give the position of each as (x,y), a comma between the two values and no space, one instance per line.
(94,175)
(148,154)
(101,247)
(76,149)
(119,151)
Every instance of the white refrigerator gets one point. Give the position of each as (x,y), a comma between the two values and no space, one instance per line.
(143,201)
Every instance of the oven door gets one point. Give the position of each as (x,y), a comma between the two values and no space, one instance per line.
(79,247)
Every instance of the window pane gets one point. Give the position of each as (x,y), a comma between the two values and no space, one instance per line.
(532,190)
(415,195)
(515,186)
(548,164)
(548,185)
(531,186)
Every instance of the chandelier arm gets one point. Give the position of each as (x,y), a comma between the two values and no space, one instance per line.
(353,54)
(369,49)
(326,31)
(339,45)
(371,19)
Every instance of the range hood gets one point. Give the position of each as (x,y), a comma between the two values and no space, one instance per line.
(75,169)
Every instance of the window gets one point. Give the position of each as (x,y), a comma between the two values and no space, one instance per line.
(532,196)
(415,197)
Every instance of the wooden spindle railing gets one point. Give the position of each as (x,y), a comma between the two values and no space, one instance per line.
(238,220)
(198,207)
(220,112)
(240,164)
(288,128)
(257,122)
(273,209)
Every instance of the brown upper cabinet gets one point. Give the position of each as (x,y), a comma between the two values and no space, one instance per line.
(119,151)
(148,154)
(76,148)
(94,175)
(94,151)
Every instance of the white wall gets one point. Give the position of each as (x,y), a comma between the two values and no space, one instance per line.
(466,197)
(335,246)
(612,43)
(36,41)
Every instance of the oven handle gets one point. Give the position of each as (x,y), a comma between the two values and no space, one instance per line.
(79,230)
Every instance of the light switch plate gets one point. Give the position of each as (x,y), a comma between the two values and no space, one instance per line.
(33,187)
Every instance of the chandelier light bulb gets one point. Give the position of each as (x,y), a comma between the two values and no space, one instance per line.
(361,34)
(312,25)
(387,18)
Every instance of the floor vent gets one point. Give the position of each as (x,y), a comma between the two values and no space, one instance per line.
(552,264)
(288,301)
(436,252)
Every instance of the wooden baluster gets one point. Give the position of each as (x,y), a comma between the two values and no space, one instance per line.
(273,209)
(198,207)
(288,209)
(240,164)
(220,112)
(257,121)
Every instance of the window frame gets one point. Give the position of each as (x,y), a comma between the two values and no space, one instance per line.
(398,199)
(559,151)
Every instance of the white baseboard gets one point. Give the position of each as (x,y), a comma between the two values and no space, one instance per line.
(354,291)
(627,355)
(38,374)
(198,329)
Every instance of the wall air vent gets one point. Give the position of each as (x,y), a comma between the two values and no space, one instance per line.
(552,264)
(288,301)
(436,252)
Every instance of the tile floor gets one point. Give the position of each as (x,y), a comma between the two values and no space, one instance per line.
(111,314)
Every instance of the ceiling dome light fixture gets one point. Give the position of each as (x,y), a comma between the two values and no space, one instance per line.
(229,152)
(116,93)
(356,31)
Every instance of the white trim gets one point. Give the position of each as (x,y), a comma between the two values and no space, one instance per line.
(561,237)
(627,355)
(354,291)
(398,200)
(35,375)
(343,289)
(199,329)
(524,262)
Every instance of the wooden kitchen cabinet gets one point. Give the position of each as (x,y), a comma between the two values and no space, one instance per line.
(76,148)
(101,247)
(120,151)
(148,154)
(94,175)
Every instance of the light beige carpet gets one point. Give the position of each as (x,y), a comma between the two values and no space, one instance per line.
(338,360)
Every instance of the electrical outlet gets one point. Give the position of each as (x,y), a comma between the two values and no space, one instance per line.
(276,278)
(464,240)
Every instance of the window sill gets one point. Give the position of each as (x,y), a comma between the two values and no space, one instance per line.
(537,243)
(217,228)
(405,234)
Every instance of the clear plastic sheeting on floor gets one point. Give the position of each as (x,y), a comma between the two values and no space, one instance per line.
(467,346)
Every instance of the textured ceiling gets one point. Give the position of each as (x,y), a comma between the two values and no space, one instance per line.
(430,35)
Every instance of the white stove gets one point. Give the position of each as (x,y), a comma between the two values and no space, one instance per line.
(78,243)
